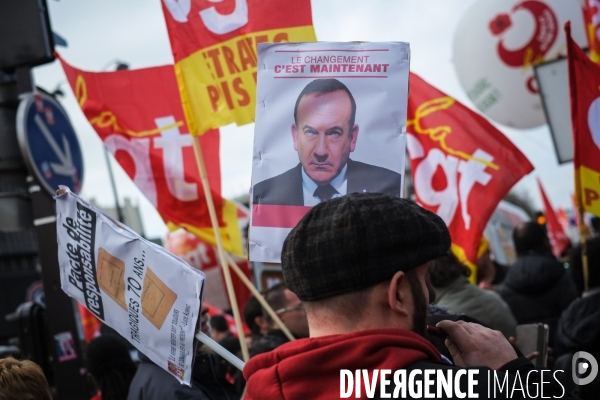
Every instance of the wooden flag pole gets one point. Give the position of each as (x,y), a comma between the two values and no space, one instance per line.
(215,224)
(259,297)
(583,236)
(584,258)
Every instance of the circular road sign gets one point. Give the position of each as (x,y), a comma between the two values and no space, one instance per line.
(48,143)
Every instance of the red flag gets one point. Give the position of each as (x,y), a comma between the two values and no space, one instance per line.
(138,116)
(212,310)
(558,239)
(584,82)
(214,46)
(90,324)
(563,218)
(204,256)
(462,166)
(592,23)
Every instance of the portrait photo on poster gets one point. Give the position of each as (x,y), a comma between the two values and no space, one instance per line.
(330,121)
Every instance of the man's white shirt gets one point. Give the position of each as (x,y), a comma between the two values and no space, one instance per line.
(340,183)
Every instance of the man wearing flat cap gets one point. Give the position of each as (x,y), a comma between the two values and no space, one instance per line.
(359,264)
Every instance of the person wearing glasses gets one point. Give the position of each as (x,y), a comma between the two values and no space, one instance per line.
(289,308)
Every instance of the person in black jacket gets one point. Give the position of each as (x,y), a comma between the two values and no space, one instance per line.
(579,325)
(208,378)
(537,287)
(253,316)
(109,363)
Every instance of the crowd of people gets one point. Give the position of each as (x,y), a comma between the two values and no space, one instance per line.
(370,284)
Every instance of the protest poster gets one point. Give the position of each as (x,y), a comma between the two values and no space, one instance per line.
(146,294)
(330,120)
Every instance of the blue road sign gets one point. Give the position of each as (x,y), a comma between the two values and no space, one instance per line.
(49,143)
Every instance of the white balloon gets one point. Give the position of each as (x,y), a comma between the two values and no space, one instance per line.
(594,121)
(495,46)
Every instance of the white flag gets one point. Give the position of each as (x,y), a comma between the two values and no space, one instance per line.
(151,297)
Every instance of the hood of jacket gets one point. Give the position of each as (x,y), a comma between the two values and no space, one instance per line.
(534,273)
(579,325)
(310,368)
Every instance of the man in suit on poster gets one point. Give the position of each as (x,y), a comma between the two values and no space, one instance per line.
(324,134)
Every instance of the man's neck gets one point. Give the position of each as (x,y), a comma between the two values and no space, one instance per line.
(320,325)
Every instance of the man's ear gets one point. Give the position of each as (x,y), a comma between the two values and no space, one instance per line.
(262,324)
(398,293)
(295,136)
(354,133)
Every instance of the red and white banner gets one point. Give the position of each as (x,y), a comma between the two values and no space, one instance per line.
(556,233)
(138,116)
(462,166)
(584,80)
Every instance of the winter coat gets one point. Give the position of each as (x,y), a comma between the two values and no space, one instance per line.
(537,288)
(579,325)
(273,339)
(208,382)
(579,330)
(461,297)
(310,368)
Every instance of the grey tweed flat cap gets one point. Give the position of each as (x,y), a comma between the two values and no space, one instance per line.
(356,241)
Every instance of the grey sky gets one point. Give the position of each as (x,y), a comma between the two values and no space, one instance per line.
(134,31)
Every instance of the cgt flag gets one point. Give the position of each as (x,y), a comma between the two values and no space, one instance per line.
(138,116)
(584,81)
(556,233)
(591,10)
(462,166)
(214,46)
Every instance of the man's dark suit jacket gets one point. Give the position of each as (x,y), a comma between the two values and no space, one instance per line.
(286,189)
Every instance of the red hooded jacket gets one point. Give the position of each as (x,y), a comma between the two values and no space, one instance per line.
(310,368)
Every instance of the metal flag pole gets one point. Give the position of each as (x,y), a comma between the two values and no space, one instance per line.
(220,350)
(114,187)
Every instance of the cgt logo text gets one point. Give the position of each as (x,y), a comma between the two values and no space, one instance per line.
(454,384)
